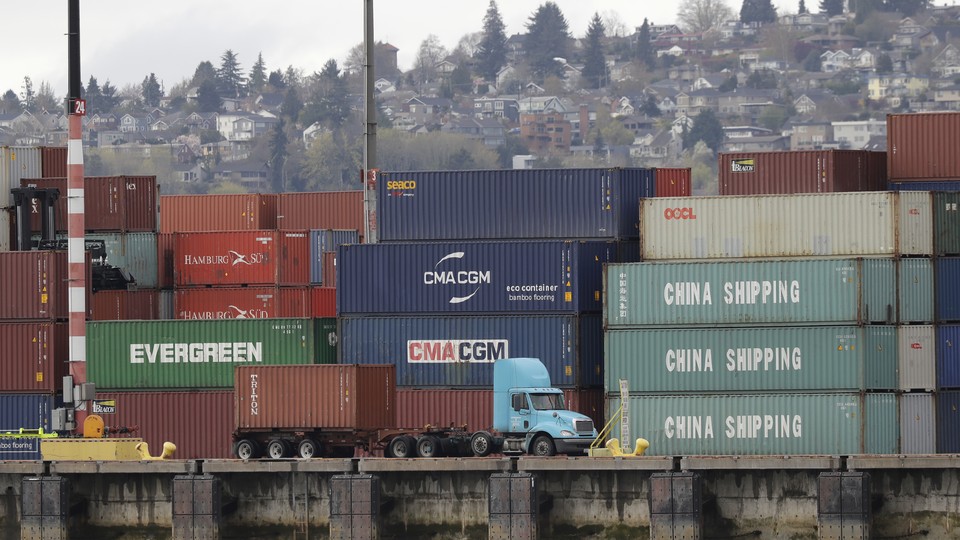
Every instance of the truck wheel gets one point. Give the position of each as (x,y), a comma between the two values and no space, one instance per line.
(278,449)
(247,449)
(481,444)
(543,446)
(429,446)
(309,448)
(402,446)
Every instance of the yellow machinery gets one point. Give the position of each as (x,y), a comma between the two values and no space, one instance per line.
(612,447)
(93,446)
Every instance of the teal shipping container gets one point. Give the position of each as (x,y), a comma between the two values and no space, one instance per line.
(807,358)
(738,292)
(946,223)
(881,423)
(144,355)
(751,424)
(915,290)
(134,252)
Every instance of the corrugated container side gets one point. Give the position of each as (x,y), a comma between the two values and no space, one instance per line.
(165,273)
(23,411)
(794,291)
(417,407)
(122,305)
(206,213)
(747,424)
(948,422)
(22,162)
(917,357)
(923,146)
(53,161)
(6,230)
(316,257)
(323,301)
(241,258)
(243,303)
(111,203)
(166,305)
(331,239)
(459,351)
(916,290)
(142,203)
(947,289)
(757,359)
(946,222)
(800,171)
(329,270)
(945,185)
(948,356)
(918,423)
(34,357)
(135,355)
(294,264)
(881,431)
(134,252)
(474,277)
(673,182)
(915,223)
(511,204)
(333,397)
(160,417)
(34,285)
(880,355)
(320,210)
(5,177)
(588,401)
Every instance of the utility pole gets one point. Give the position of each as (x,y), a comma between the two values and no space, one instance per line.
(370,131)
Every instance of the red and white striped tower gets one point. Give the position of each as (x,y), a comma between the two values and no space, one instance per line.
(75,223)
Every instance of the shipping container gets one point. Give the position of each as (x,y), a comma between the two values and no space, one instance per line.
(34,285)
(947,289)
(810,358)
(459,350)
(918,423)
(124,305)
(323,249)
(6,230)
(34,357)
(163,355)
(53,162)
(673,182)
(922,146)
(29,411)
(111,203)
(473,277)
(948,422)
(200,423)
(917,357)
(241,258)
(365,397)
(748,424)
(166,305)
(838,224)
(329,270)
(331,239)
(165,277)
(946,223)
(316,257)
(134,253)
(915,290)
(785,291)
(323,301)
(243,303)
(944,185)
(948,356)
(320,210)
(511,204)
(881,432)
(206,213)
(801,171)
(17,162)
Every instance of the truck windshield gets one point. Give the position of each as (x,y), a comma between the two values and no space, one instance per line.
(543,402)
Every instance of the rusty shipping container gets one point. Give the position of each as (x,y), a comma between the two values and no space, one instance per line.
(111,203)
(242,258)
(320,210)
(672,182)
(323,301)
(53,162)
(34,284)
(34,357)
(801,171)
(124,305)
(923,146)
(162,417)
(203,213)
(165,260)
(243,303)
(332,397)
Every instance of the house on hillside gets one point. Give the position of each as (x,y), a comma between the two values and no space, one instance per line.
(545,132)
(489,131)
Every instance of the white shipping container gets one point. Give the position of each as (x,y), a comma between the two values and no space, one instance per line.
(802,225)
(917,424)
(17,162)
(917,357)
(4,230)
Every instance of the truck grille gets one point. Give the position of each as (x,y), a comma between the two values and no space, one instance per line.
(583,426)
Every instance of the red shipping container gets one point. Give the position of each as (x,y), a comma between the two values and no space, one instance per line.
(330,269)
(672,182)
(323,302)
(243,303)
(53,162)
(320,210)
(125,305)
(923,146)
(36,357)
(34,285)
(165,260)
(801,171)
(588,401)
(200,423)
(111,203)
(206,213)
(242,258)
(320,396)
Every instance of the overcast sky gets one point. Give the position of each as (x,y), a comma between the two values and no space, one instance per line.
(123,41)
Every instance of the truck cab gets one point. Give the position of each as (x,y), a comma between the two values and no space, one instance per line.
(531,416)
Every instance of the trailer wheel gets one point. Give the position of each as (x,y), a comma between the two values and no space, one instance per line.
(429,446)
(247,449)
(278,449)
(403,446)
(481,444)
(543,446)
(309,448)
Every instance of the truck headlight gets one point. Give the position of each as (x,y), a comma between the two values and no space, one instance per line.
(566,433)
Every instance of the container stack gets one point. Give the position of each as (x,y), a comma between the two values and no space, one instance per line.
(479,265)
(780,324)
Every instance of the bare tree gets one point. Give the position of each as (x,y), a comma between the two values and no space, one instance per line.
(430,54)
(614,24)
(700,15)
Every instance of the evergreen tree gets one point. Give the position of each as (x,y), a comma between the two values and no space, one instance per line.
(292,105)
(491,52)
(150,90)
(760,11)
(650,107)
(10,103)
(547,38)
(884,63)
(94,97)
(46,99)
(705,128)
(27,96)
(328,101)
(258,75)
(802,8)
(204,72)
(208,99)
(645,52)
(594,74)
(275,79)
(831,7)
(108,96)
(230,76)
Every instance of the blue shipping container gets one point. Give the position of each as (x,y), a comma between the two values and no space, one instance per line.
(472,277)
(331,239)
(29,411)
(925,186)
(948,356)
(948,422)
(459,351)
(316,256)
(511,204)
(948,289)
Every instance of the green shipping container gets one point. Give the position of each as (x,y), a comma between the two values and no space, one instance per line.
(138,355)
(946,222)
(881,423)
(915,290)
(747,424)
(135,253)
(809,358)
(739,292)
